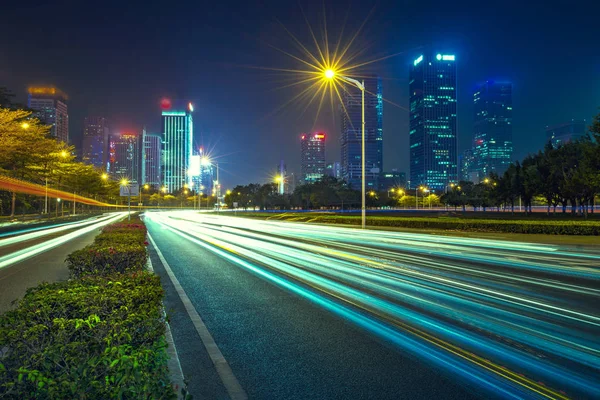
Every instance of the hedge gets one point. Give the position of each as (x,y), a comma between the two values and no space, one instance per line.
(98,336)
(583,228)
(119,248)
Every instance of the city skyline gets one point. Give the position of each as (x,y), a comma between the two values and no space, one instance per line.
(481,56)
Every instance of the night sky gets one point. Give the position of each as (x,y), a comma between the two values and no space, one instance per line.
(118,60)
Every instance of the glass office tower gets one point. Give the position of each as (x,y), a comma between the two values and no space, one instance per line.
(433,157)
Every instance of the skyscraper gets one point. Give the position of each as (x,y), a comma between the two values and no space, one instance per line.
(467,167)
(207,173)
(567,132)
(432,86)
(50,105)
(281,177)
(125,156)
(95,141)
(312,158)
(393,179)
(151,158)
(492,131)
(334,170)
(351,137)
(178,132)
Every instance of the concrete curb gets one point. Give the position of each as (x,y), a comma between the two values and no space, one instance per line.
(175,371)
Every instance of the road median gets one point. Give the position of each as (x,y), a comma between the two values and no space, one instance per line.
(99,335)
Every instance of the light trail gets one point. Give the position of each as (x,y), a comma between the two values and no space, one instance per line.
(513,318)
(24,235)
(31,251)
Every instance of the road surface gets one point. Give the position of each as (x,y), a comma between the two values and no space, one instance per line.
(30,256)
(300,311)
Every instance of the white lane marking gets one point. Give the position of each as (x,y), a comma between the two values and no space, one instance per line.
(43,232)
(232,385)
(34,250)
(175,371)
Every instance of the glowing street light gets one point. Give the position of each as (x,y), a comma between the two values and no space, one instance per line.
(207,161)
(125,183)
(104,176)
(25,125)
(331,75)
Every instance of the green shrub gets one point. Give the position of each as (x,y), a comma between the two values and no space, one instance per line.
(92,338)
(104,259)
(589,228)
(536,226)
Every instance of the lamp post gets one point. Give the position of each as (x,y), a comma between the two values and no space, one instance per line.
(146,186)
(164,190)
(63,154)
(331,74)
(206,161)
(125,183)
(200,194)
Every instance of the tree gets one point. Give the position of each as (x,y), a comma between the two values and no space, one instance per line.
(24,143)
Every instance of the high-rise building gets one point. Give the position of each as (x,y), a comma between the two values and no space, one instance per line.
(467,167)
(151,158)
(50,107)
(94,145)
(178,133)
(492,131)
(312,159)
(392,180)
(567,132)
(281,177)
(432,86)
(206,180)
(334,169)
(351,137)
(125,156)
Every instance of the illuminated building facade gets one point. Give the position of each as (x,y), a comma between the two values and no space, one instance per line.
(467,167)
(492,131)
(392,180)
(334,169)
(94,146)
(151,158)
(567,132)
(433,143)
(50,107)
(312,158)
(351,136)
(178,131)
(125,154)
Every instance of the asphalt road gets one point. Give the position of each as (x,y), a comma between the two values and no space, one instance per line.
(29,257)
(315,312)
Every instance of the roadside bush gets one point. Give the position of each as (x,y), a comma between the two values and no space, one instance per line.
(120,248)
(91,338)
(107,259)
(583,228)
(588,228)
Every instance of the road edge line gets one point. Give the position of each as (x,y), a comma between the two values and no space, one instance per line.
(232,385)
(174,365)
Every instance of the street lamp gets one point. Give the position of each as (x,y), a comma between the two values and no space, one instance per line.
(424,189)
(125,183)
(429,196)
(63,154)
(331,74)
(206,161)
